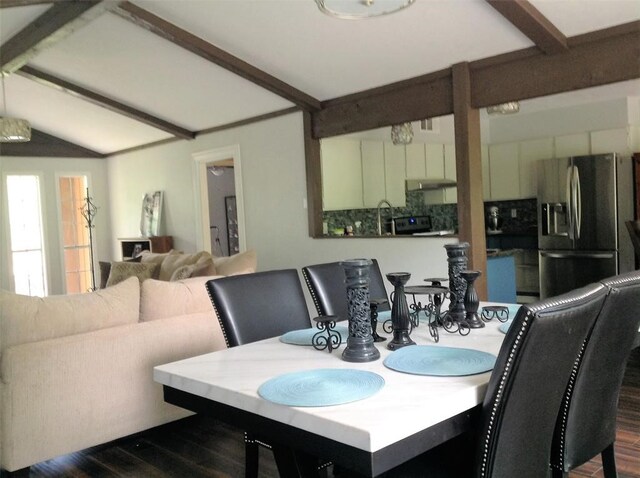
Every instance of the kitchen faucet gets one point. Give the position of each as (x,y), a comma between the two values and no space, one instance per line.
(393,226)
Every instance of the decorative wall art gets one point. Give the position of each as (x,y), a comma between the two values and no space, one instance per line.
(151,214)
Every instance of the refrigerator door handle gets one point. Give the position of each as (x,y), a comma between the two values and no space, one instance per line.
(581,255)
(577,201)
(569,201)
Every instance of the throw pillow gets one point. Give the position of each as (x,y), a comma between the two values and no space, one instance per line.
(175,261)
(25,319)
(123,270)
(242,263)
(161,299)
(155,257)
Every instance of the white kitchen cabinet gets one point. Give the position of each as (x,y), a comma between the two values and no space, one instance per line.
(341,174)
(434,156)
(530,152)
(416,161)
(373,187)
(572,145)
(395,174)
(450,194)
(504,170)
(611,141)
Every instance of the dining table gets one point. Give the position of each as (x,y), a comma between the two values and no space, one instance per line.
(407,415)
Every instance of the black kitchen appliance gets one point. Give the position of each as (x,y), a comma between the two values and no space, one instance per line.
(408,225)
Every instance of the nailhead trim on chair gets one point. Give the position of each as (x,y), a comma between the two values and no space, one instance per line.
(312,292)
(566,401)
(224,332)
(530,313)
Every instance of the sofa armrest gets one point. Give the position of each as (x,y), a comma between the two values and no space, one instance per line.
(69,393)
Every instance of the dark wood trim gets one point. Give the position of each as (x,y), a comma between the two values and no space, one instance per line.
(313,170)
(46,145)
(471,226)
(253,119)
(52,26)
(144,146)
(351,458)
(97,99)
(528,19)
(198,46)
(606,59)
(425,98)
(26,3)
(596,58)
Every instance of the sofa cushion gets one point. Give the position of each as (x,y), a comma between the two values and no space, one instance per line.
(123,270)
(160,299)
(25,319)
(155,257)
(242,263)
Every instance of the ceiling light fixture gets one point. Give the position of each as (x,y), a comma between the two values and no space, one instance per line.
(402,133)
(216,170)
(12,130)
(358,9)
(504,109)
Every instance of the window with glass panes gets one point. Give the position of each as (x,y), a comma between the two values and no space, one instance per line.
(75,234)
(25,235)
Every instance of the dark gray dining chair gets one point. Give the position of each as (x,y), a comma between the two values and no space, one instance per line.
(329,292)
(586,426)
(514,430)
(252,307)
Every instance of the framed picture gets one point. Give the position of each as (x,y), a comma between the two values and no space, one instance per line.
(151,214)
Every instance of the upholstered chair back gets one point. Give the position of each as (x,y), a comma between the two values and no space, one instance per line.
(252,307)
(586,426)
(326,283)
(528,382)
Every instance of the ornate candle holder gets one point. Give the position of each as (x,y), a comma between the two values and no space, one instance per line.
(374,304)
(500,312)
(400,318)
(457,259)
(327,337)
(360,347)
(471,300)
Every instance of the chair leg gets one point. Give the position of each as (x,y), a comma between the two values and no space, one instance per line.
(609,462)
(251,458)
(556,473)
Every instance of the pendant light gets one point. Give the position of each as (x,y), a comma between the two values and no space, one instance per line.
(12,130)
(402,133)
(504,108)
(358,9)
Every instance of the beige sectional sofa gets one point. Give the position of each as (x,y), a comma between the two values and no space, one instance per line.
(76,371)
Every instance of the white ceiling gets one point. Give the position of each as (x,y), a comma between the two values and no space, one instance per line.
(289,39)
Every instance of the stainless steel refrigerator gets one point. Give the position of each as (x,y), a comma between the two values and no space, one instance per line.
(583,202)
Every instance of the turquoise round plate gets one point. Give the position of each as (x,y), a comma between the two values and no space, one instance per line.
(304,336)
(440,361)
(321,387)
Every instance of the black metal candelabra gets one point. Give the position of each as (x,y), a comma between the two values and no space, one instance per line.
(89,211)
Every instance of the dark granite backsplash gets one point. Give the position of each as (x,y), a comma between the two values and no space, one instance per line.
(443,216)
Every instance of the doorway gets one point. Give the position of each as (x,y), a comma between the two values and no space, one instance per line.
(219,200)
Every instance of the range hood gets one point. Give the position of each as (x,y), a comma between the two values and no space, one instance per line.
(429,184)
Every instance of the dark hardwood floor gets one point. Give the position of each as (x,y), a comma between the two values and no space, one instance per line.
(199,447)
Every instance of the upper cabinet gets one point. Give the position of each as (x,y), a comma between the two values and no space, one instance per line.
(341,174)
(373,186)
(530,152)
(395,174)
(504,171)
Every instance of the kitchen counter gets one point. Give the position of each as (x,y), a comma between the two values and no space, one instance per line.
(375,236)
(491,253)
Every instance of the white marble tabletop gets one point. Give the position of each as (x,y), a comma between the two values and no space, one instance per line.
(406,404)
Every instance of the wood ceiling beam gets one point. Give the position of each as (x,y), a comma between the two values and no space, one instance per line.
(55,24)
(46,145)
(593,59)
(212,53)
(25,3)
(528,19)
(103,101)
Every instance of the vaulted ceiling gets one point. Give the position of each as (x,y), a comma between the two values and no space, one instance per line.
(112,76)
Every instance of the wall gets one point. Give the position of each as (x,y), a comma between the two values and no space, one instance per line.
(47,169)
(274,185)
